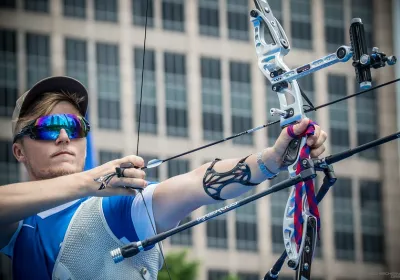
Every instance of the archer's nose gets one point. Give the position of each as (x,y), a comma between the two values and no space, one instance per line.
(63,137)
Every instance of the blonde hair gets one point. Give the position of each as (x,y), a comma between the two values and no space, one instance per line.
(45,104)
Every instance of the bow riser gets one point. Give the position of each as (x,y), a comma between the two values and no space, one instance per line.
(271,46)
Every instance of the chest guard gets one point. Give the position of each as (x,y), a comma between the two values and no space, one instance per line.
(85,251)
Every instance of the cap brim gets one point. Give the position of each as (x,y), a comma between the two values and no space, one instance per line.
(57,84)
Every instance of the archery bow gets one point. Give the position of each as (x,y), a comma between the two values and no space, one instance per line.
(301,216)
(271,46)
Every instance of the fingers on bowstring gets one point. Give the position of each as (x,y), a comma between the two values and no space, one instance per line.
(136,161)
(134,173)
(129,176)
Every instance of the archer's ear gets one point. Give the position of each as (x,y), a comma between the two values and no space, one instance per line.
(18,152)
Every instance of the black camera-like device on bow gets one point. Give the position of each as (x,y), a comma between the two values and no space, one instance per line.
(362,61)
(361,58)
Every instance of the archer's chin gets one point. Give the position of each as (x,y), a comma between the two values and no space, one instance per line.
(65,167)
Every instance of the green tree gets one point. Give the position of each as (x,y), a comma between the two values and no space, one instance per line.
(179,267)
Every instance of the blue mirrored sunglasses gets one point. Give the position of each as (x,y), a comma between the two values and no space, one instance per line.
(48,127)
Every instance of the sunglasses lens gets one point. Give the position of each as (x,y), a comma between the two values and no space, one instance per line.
(48,133)
(48,127)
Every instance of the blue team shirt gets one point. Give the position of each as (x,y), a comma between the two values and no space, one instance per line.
(35,245)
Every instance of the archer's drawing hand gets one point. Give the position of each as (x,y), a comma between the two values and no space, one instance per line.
(132,177)
(315,142)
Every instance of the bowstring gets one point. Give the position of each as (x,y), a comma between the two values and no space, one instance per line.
(138,135)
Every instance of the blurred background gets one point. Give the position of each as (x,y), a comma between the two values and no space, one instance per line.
(202,83)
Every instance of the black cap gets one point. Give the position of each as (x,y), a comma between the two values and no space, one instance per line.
(50,84)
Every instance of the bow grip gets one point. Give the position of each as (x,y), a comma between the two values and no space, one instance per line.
(291,153)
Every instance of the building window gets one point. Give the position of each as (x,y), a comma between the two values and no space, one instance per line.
(38,58)
(148,118)
(152,174)
(217,228)
(364,9)
(176,95)
(278,204)
(173,14)
(371,222)
(209,17)
(139,8)
(211,90)
(343,220)
(272,131)
(334,24)
(75,8)
(277,9)
(108,86)
(301,24)
(177,167)
(241,101)
(8,72)
(338,113)
(217,274)
(246,226)
(76,60)
(10,4)
(9,167)
(106,10)
(238,19)
(367,122)
(106,156)
(249,276)
(37,5)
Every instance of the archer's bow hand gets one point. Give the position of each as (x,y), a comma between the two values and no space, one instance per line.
(315,142)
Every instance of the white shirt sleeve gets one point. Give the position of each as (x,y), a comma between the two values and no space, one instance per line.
(9,248)
(140,218)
